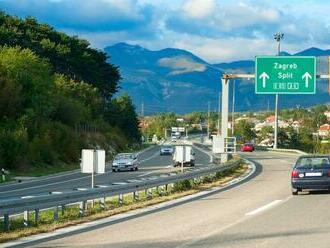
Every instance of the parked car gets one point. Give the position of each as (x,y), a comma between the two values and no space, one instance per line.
(125,161)
(247,147)
(166,150)
(311,172)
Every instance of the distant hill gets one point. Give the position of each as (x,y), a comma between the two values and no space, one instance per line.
(179,81)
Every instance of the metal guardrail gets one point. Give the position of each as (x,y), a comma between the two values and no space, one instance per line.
(288,150)
(36,203)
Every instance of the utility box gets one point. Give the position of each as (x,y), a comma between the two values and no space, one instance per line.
(183,155)
(218,144)
(100,161)
(87,160)
(92,161)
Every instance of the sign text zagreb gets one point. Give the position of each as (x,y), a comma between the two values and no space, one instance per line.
(285,75)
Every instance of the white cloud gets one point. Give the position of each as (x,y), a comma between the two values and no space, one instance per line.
(229,49)
(199,8)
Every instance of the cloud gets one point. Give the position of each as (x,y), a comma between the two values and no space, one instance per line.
(84,15)
(215,30)
(199,8)
(181,64)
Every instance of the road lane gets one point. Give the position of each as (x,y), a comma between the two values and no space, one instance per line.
(202,223)
(151,164)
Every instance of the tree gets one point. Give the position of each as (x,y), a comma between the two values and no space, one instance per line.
(244,129)
(67,55)
(125,117)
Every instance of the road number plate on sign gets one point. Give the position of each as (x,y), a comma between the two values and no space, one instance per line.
(313,174)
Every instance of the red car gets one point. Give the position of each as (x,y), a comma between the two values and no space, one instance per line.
(247,148)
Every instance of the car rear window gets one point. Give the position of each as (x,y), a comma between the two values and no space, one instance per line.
(317,162)
(124,156)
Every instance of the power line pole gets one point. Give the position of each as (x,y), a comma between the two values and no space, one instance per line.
(142,109)
(233,110)
(278,37)
(268,105)
(208,119)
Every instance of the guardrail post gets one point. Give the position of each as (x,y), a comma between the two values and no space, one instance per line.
(6,222)
(82,208)
(62,209)
(102,203)
(26,218)
(135,195)
(120,200)
(56,213)
(149,193)
(36,216)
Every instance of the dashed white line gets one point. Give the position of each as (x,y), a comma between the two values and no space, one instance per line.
(264,208)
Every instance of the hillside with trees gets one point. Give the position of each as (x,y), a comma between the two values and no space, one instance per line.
(57,97)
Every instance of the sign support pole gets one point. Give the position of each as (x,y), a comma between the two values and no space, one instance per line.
(224,117)
(276,122)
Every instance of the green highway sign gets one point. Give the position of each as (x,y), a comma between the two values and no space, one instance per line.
(285,75)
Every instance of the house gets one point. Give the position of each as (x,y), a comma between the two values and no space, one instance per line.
(324,130)
(270,119)
(327,114)
(259,126)
(296,124)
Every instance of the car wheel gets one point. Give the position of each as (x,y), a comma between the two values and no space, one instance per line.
(294,191)
(136,168)
(113,170)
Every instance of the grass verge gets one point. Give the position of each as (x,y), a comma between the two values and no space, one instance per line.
(71,217)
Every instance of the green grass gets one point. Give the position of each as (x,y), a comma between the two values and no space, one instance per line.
(44,170)
(71,213)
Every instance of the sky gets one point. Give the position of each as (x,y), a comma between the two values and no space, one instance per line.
(215,30)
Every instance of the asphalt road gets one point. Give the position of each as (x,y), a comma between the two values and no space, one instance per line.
(152,164)
(259,213)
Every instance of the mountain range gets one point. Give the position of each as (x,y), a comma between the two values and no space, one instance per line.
(178,81)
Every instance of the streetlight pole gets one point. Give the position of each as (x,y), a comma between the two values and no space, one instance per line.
(278,37)
(233,111)
(208,119)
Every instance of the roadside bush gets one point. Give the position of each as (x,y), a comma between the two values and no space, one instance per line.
(13,148)
(182,186)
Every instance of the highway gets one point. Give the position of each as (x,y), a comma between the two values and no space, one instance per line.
(152,164)
(259,213)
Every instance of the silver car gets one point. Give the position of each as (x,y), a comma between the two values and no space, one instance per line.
(125,161)
(166,150)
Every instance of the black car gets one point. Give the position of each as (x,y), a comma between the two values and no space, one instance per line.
(311,172)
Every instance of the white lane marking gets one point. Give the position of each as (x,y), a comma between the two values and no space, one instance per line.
(264,208)
(145,174)
(130,214)
(50,184)
(205,152)
(151,157)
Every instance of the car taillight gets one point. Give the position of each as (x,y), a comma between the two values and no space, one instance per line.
(328,173)
(294,174)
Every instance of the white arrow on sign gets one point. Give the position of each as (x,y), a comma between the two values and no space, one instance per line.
(264,76)
(306,76)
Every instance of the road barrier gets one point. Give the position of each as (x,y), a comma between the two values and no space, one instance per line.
(58,200)
(288,150)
